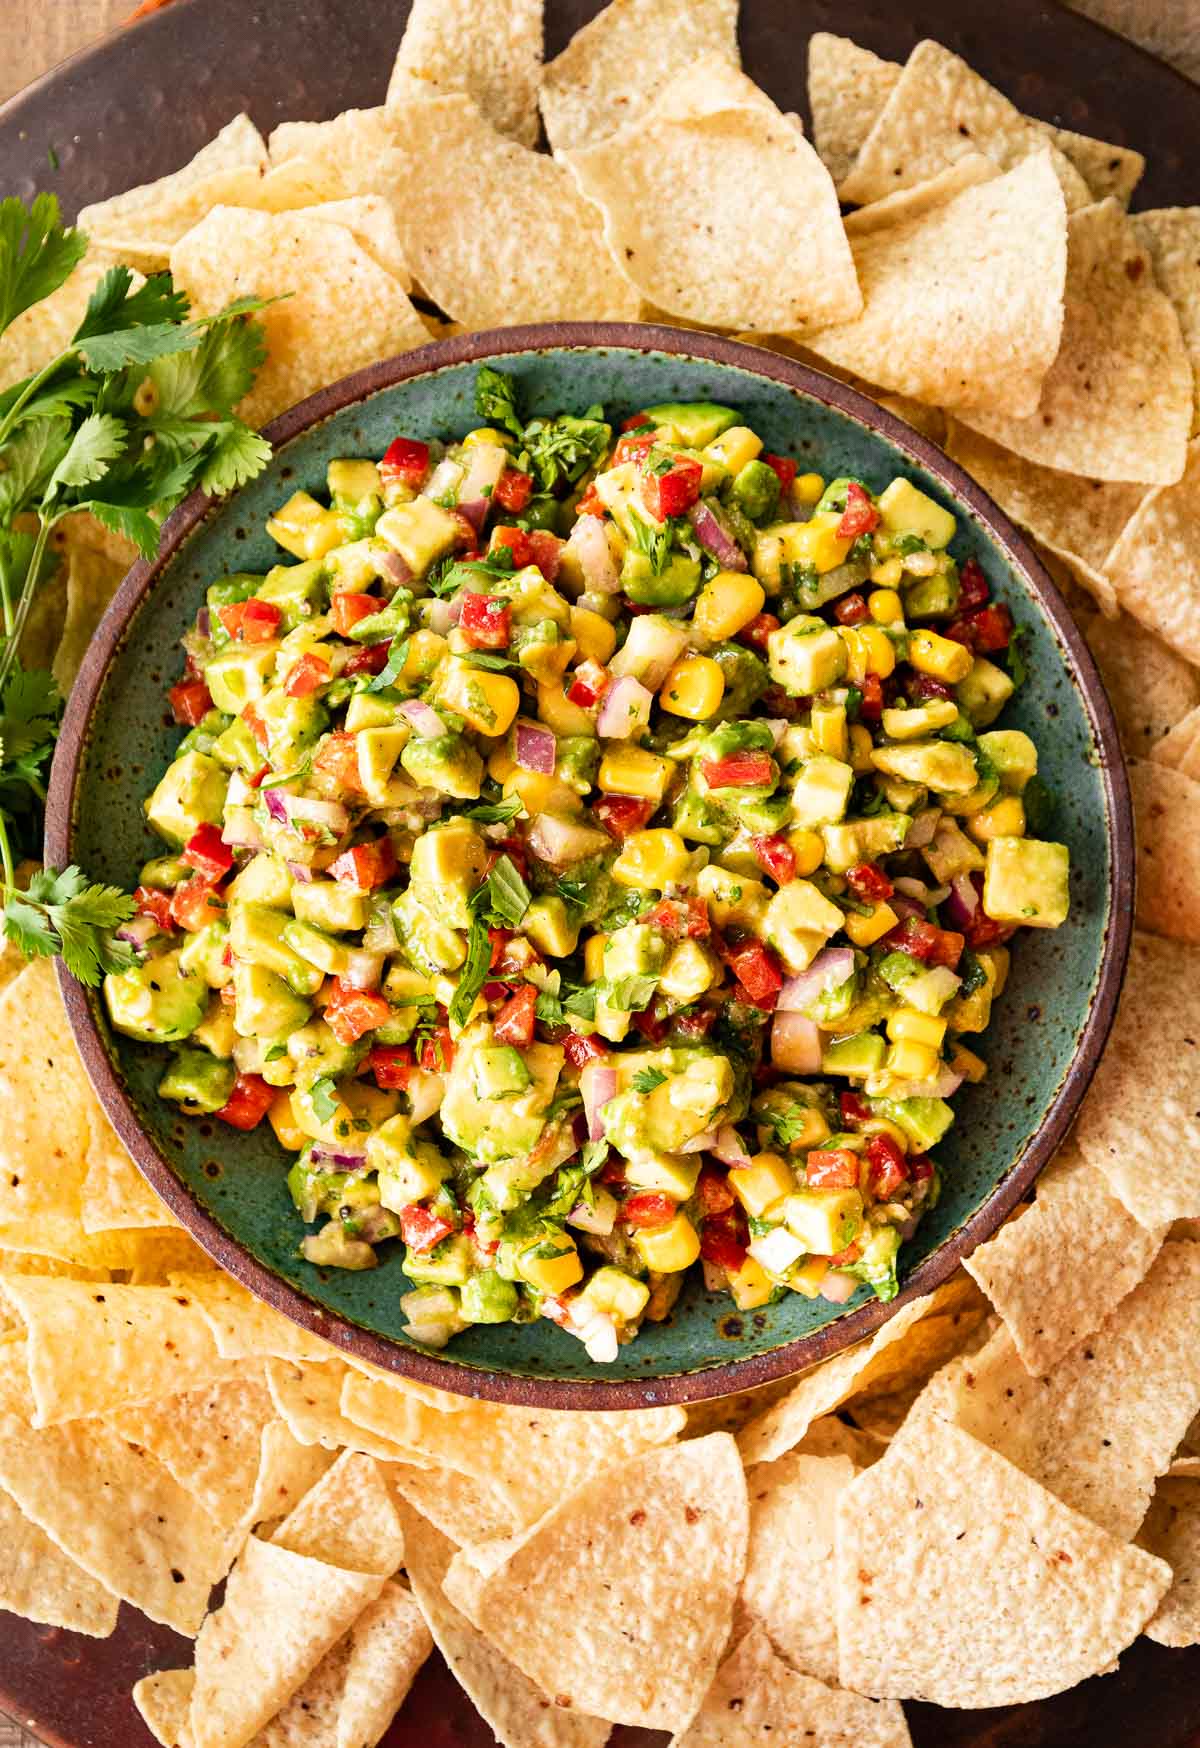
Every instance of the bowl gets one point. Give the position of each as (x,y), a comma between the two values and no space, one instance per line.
(228,1188)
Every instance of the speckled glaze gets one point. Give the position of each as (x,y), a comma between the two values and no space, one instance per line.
(229,1189)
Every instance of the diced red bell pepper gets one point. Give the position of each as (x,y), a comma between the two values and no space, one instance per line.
(546,553)
(926,942)
(865,880)
(889,1165)
(852,609)
(591,503)
(248,1103)
(757,631)
(622,814)
(406,463)
(921,687)
(843,1258)
(422,1229)
(652,1026)
(674,492)
(579,1049)
(257,727)
(992,627)
(308,675)
(637,422)
(337,760)
(776,857)
(835,1168)
(254,621)
(920,1167)
(697,1023)
(147,901)
(644,1212)
(669,916)
(207,854)
(973,587)
(589,685)
(517,542)
(871,707)
(757,970)
(854,1110)
(435,1053)
(392,1065)
(486,621)
(366,865)
(719,1246)
(983,931)
(195,904)
(347,609)
(860,515)
(699,923)
(713,1194)
(739,771)
(783,467)
(513,490)
(190,702)
(514,1023)
(350,1012)
(634,447)
(371,660)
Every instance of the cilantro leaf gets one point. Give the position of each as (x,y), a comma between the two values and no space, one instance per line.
(37,254)
(473,975)
(323,1093)
(390,671)
(507,893)
(646,1079)
(593,1156)
(237,455)
(115,305)
(572,891)
(495,812)
(482,658)
(496,399)
(31,459)
(549,1009)
(653,543)
(581,1003)
(214,376)
(629,995)
(560,451)
(99,440)
(135,525)
(63,912)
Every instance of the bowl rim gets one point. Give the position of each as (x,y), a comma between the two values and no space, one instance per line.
(803,1351)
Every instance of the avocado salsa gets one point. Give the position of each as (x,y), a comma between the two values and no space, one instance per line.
(590,852)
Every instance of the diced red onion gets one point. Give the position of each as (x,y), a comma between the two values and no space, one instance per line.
(423,717)
(831,967)
(441,617)
(589,544)
(795,1043)
(312,809)
(597,1085)
(923,828)
(445,481)
(392,567)
(138,930)
(363,970)
(838,1288)
(963,901)
(909,1227)
(536,748)
(299,871)
(456,604)
(905,906)
(700,1143)
(729,1149)
(340,1161)
(204,622)
(562,842)
(716,539)
(625,710)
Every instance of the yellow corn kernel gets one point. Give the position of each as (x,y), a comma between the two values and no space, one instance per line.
(652,860)
(693,688)
(886,607)
(288,1132)
(750,1285)
(551,1274)
(909,1060)
(865,930)
(808,488)
(593,958)
(501,764)
(1003,819)
(725,604)
(808,847)
(633,771)
(966,1063)
(931,653)
(425,651)
(485,434)
(869,650)
(304,528)
(594,636)
(735,447)
(669,1249)
(861,748)
(556,711)
(887,574)
(762,1183)
(539,793)
(817,542)
(807,1276)
(489,702)
(917,1027)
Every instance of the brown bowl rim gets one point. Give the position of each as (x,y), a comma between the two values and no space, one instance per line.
(805,1350)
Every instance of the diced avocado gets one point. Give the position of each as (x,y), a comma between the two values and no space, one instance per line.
(1025,881)
(821,791)
(799,920)
(327,904)
(877,1264)
(236,748)
(450,1263)
(920,720)
(420,531)
(904,509)
(324,951)
(1013,754)
(694,1096)
(203,954)
(488,1298)
(698,819)
(975,799)
(264,1005)
(733,897)
(550,926)
(924,1121)
(204,736)
(409,1169)
(316,1054)
(238,586)
(499,1072)
(864,840)
(859,1055)
(372,710)
(447,867)
(671,1174)
(317,1192)
(293,726)
(256,936)
(298,590)
(378,750)
(164,873)
(445,762)
(502,1131)
(428,944)
(264,880)
(934,597)
(806,656)
(693,424)
(198,1081)
(825,1221)
(216,1033)
(615,1292)
(239,674)
(947,766)
(190,793)
(432,1315)
(676,583)
(391,621)
(333,1248)
(756,490)
(984,692)
(158,1002)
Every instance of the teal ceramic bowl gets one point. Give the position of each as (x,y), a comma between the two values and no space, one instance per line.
(228,1188)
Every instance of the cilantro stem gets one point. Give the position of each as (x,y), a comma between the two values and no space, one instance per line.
(10,878)
(28,589)
(27,393)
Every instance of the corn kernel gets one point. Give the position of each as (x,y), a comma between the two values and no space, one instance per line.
(594,636)
(489,702)
(806,1277)
(909,1060)
(288,1132)
(484,435)
(762,1183)
(693,688)
(652,860)
(966,1063)
(551,1274)
(941,657)
(886,607)
(919,1028)
(808,488)
(808,847)
(865,930)
(735,447)
(1003,819)
(750,1285)
(593,958)
(869,650)
(425,651)
(725,604)
(633,771)
(669,1249)
(539,793)
(861,748)
(887,574)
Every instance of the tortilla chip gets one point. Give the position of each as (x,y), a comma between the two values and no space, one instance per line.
(43,331)
(964,302)
(1166,808)
(347,315)
(757,1699)
(604,79)
(963,1582)
(491,50)
(1055,1274)
(459,1506)
(243,1327)
(116,1196)
(109,1507)
(1180,748)
(546,257)
(164,1701)
(82,529)
(847,88)
(347,1520)
(185,194)
(45,1135)
(309,1399)
(92,581)
(1111,172)
(1139,1123)
(793,1506)
(281,1613)
(1172,1531)
(208,1439)
(938,111)
(1117,401)
(909,203)
(771,252)
(1172,236)
(388,1644)
(624,1612)
(1148,685)
(1155,565)
(350,154)
(23,1262)
(519,1714)
(38,1581)
(287,1471)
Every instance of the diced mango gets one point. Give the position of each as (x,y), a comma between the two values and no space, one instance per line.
(735,447)
(864,931)
(916,1027)
(908,1060)
(809,488)
(669,1249)
(488,702)
(633,771)
(885,606)
(1003,819)
(305,528)
(808,847)
(725,604)
(594,636)
(551,1274)
(652,860)
(762,1183)
(750,1285)
(940,657)
(816,542)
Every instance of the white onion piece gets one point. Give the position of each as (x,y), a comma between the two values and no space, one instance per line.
(535,748)
(363,970)
(795,1043)
(776,1250)
(700,1143)
(485,463)
(391,566)
(311,808)
(425,1093)
(729,1149)
(588,542)
(241,792)
(445,481)
(830,968)
(242,834)
(598,1219)
(599,1337)
(597,1085)
(423,717)
(943,1086)
(778,726)
(625,709)
(440,617)
(138,930)
(923,828)
(650,650)
(562,842)
(838,1288)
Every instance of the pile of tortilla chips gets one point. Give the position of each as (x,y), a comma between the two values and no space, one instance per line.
(991,1499)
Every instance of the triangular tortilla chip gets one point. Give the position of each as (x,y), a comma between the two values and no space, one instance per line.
(347,1520)
(489,49)
(287,1471)
(1180,749)
(244,1327)
(1172,1531)
(92,581)
(41,332)
(1172,235)
(1166,809)
(1148,685)
(624,1612)
(38,1581)
(388,1644)
(605,78)
(209,1439)
(767,250)
(963,302)
(847,88)
(459,1506)
(180,200)
(1155,565)
(1116,403)
(45,1135)
(963,1582)
(309,1399)
(348,155)
(1108,170)
(1056,1273)
(909,203)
